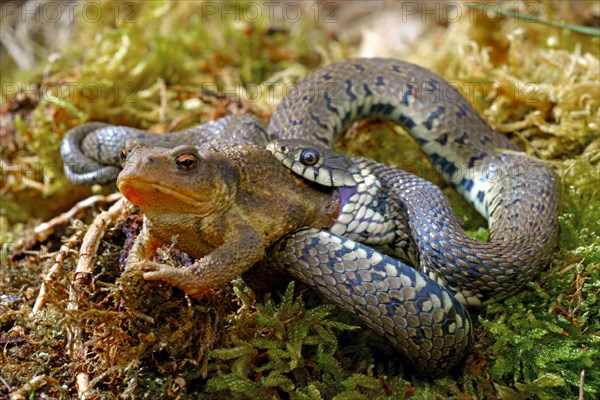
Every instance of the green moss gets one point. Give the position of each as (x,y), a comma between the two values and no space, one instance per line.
(296,347)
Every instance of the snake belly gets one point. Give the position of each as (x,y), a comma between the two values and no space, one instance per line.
(420,312)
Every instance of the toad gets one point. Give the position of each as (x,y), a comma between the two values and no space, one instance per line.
(225,203)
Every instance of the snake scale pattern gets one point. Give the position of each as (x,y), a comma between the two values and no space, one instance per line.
(387,210)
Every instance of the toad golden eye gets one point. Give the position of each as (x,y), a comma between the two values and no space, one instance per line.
(309,157)
(123,155)
(186,161)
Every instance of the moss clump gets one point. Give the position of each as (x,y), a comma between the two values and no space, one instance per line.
(293,354)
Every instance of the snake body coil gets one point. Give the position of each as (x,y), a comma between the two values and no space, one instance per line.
(389,209)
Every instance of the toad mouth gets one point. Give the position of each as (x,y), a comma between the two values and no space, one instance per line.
(138,191)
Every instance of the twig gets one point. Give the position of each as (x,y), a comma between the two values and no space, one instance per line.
(85,267)
(5,383)
(33,385)
(42,231)
(91,241)
(82,382)
(65,249)
(586,30)
(581,385)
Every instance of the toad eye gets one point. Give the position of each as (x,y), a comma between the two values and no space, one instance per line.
(123,156)
(309,157)
(186,161)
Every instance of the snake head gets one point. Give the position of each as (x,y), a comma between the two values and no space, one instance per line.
(316,163)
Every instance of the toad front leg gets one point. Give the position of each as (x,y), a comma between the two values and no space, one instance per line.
(144,247)
(241,249)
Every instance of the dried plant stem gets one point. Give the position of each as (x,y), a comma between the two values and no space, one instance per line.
(91,242)
(582,385)
(55,270)
(42,231)
(83,279)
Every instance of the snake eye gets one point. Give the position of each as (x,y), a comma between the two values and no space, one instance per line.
(123,155)
(309,157)
(186,161)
